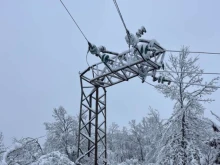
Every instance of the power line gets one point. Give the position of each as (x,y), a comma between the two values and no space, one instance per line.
(193,52)
(150,84)
(127,31)
(188,72)
(119,12)
(75,21)
(209,86)
(90,45)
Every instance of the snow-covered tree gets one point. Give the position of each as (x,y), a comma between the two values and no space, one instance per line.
(53,158)
(213,154)
(138,142)
(139,139)
(145,135)
(2,149)
(126,148)
(24,151)
(130,162)
(115,144)
(152,127)
(112,133)
(62,134)
(185,131)
(120,145)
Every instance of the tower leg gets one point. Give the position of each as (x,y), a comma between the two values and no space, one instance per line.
(92,125)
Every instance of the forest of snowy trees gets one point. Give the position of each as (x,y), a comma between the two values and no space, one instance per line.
(186,138)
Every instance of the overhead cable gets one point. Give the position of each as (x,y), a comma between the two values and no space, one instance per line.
(75,22)
(194,52)
(189,72)
(119,12)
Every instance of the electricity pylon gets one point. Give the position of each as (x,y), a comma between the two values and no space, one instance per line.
(143,59)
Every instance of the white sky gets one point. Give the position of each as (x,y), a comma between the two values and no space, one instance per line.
(42,52)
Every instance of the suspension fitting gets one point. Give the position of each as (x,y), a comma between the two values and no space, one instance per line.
(131,39)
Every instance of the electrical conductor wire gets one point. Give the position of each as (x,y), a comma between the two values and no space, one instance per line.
(74,21)
(119,12)
(188,72)
(208,86)
(193,52)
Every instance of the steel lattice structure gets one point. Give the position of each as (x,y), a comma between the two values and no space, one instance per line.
(143,59)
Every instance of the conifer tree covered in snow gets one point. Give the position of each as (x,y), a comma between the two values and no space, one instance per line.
(186,130)
(62,134)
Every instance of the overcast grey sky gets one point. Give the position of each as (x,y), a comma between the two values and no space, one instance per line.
(42,51)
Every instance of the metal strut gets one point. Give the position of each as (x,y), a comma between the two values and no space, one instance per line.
(92,125)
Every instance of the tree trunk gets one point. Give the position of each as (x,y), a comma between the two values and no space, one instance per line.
(142,155)
(183,129)
(183,142)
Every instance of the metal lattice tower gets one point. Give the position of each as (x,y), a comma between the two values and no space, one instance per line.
(92,122)
(143,59)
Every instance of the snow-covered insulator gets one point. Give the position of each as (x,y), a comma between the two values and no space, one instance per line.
(157,52)
(155,79)
(122,57)
(159,79)
(152,42)
(142,78)
(143,50)
(163,79)
(102,49)
(162,65)
(105,58)
(131,39)
(142,73)
(169,82)
(141,31)
(138,34)
(94,50)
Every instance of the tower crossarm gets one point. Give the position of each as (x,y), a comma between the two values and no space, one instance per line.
(142,60)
